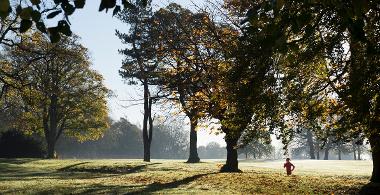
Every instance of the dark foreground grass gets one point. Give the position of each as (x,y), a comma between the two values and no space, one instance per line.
(34,176)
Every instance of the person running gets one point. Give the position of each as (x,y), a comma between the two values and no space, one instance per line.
(289,166)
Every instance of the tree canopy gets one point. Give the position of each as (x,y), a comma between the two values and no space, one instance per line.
(63,94)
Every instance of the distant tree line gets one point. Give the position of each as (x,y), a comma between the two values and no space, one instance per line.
(123,140)
(306,145)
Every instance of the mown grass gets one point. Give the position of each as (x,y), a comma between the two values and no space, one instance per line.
(34,176)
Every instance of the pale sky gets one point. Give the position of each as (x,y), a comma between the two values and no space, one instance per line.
(98,35)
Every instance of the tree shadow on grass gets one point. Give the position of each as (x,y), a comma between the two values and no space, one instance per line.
(18,161)
(106,189)
(13,168)
(34,176)
(154,187)
(9,172)
(125,169)
(90,189)
(67,168)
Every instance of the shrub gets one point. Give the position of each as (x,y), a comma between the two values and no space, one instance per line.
(14,144)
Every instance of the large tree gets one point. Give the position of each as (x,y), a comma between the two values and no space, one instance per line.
(140,62)
(184,49)
(246,97)
(64,95)
(204,67)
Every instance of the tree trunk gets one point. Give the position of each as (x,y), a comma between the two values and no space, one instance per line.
(354,148)
(51,150)
(359,152)
(52,127)
(232,155)
(326,154)
(317,149)
(328,145)
(339,154)
(191,113)
(147,137)
(374,141)
(310,142)
(193,155)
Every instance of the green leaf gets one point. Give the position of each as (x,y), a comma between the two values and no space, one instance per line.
(107,4)
(54,34)
(36,15)
(68,8)
(64,28)
(25,25)
(53,14)
(41,27)
(116,10)
(35,2)
(26,13)
(79,3)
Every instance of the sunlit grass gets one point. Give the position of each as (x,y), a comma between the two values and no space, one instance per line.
(35,176)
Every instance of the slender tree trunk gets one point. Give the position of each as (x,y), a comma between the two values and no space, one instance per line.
(359,152)
(193,155)
(52,127)
(339,154)
(232,155)
(374,141)
(150,130)
(317,149)
(328,145)
(147,136)
(326,157)
(354,148)
(310,142)
(191,113)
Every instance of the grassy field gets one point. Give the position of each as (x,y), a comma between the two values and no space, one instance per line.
(34,176)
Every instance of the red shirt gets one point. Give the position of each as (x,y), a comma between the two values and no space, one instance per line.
(288,166)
